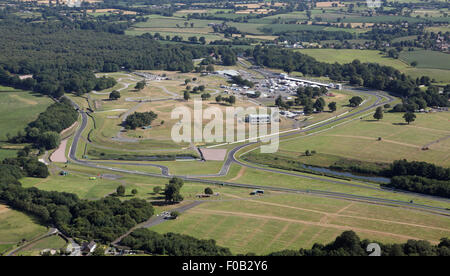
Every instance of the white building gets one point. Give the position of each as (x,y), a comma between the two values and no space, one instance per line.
(258,119)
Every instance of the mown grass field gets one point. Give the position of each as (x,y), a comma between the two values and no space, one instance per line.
(427,59)
(358,139)
(16,226)
(280,221)
(18,108)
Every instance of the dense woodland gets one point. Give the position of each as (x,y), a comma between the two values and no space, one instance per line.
(62,57)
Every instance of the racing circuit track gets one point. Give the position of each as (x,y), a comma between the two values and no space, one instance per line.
(230,159)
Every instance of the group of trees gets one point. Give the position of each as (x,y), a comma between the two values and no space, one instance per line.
(13,169)
(114,95)
(422,99)
(44,131)
(311,100)
(419,168)
(240,81)
(230,99)
(140,85)
(120,191)
(420,177)
(172,244)
(355,101)
(139,119)
(172,190)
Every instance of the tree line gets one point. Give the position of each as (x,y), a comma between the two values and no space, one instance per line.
(419,177)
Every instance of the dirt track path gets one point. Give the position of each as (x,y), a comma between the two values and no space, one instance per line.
(239,175)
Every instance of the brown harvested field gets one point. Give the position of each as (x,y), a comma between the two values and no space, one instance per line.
(255,11)
(250,6)
(328,4)
(110,10)
(193,11)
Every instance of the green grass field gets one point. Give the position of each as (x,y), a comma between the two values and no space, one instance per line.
(280,221)
(358,139)
(16,226)
(52,242)
(348,55)
(427,59)
(18,108)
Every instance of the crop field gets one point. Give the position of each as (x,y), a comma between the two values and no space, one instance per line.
(427,59)
(268,223)
(18,108)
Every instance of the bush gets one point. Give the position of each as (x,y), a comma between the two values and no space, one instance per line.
(140,119)
(208,191)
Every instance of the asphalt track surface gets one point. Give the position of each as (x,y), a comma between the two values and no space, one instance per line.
(232,159)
